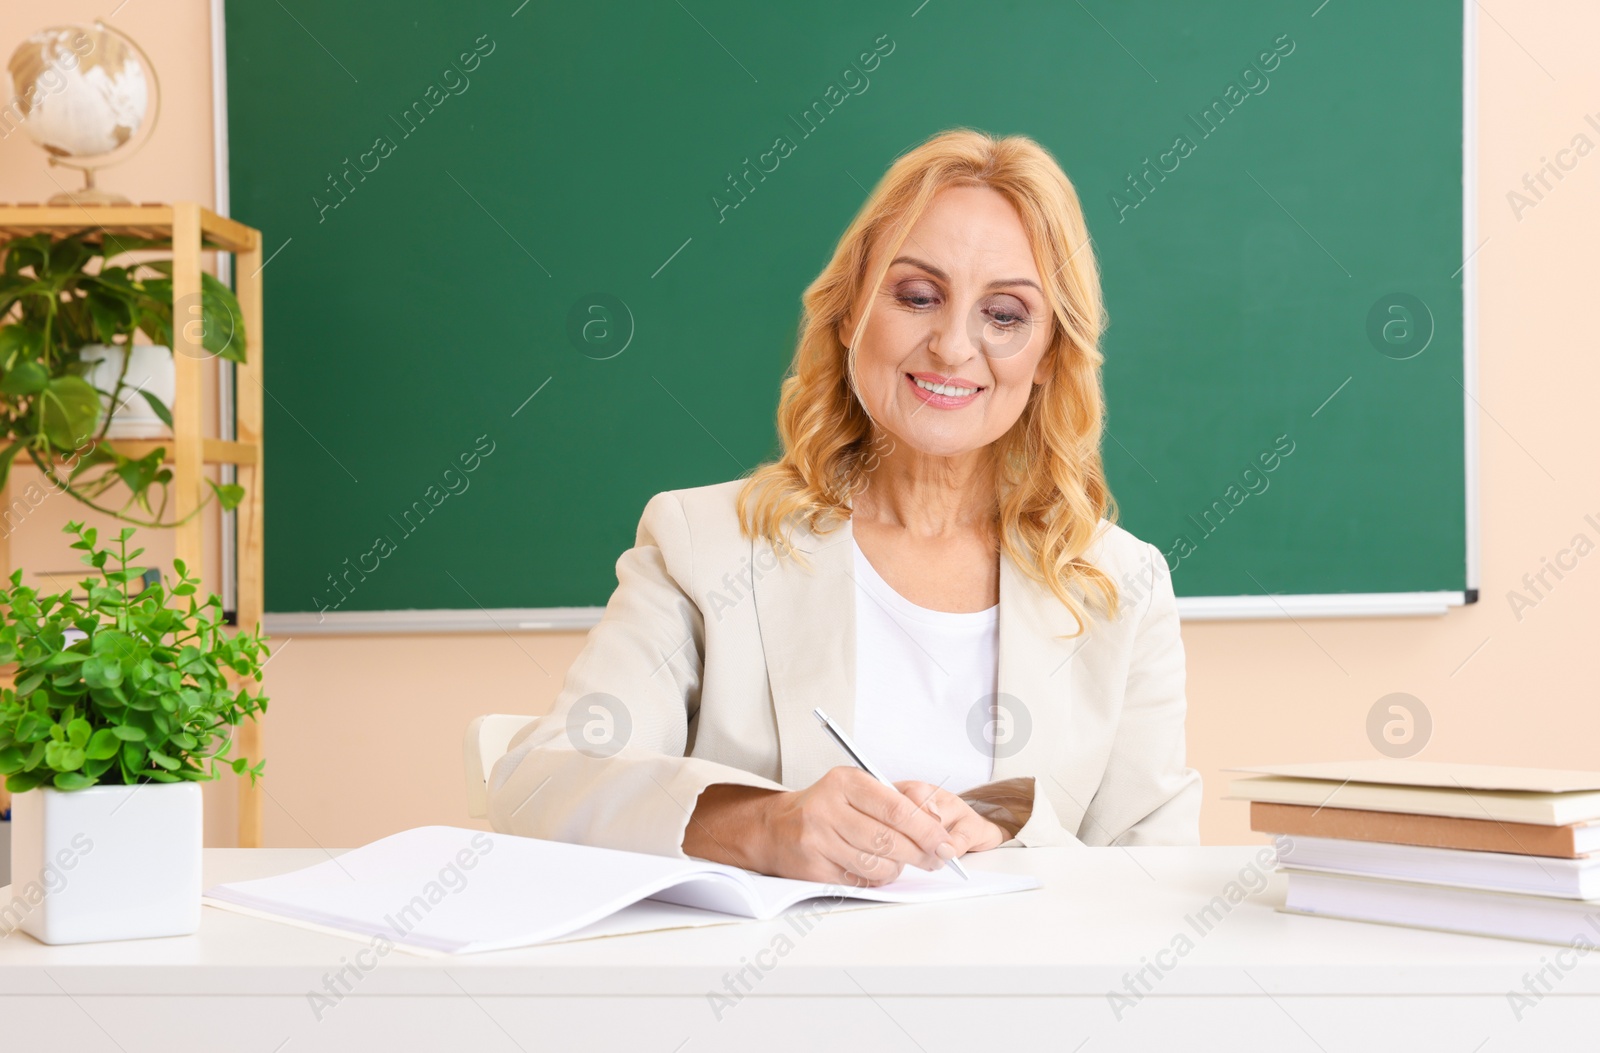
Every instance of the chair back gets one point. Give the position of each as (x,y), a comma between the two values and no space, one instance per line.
(488,738)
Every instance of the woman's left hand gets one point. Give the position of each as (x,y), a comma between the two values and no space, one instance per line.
(969,831)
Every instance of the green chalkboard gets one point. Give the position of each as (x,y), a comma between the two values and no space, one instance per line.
(513,294)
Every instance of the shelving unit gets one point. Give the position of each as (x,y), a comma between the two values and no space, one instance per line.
(192,230)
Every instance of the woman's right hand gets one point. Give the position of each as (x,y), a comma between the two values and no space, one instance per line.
(846,828)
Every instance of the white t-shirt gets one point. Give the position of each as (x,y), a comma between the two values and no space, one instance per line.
(920,674)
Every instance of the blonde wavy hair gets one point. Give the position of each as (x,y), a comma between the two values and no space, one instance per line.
(1050,482)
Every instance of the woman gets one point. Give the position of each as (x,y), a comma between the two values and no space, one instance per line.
(929,562)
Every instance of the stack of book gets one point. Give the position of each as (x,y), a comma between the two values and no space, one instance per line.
(1491,851)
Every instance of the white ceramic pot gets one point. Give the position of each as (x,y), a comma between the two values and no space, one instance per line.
(105,863)
(151,370)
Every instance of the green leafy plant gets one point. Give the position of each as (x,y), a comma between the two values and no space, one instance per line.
(127,684)
(57,304)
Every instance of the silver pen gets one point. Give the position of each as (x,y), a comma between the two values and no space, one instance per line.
(861,762)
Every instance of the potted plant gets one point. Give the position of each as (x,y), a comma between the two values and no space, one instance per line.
(68,363)
(122,705)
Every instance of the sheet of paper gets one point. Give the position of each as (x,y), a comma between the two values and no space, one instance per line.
(912,886)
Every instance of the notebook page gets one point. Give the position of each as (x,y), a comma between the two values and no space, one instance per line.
(647,915)
(912,886)
(453,890)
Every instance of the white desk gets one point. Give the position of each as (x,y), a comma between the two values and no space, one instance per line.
(1029,970)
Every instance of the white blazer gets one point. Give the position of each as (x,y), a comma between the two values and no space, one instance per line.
(713,651)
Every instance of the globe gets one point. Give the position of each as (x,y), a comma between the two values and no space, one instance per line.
(83,93)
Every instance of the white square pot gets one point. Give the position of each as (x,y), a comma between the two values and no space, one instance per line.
(151,369)
(105,863)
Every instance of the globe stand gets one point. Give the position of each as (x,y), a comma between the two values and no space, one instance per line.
(91,195)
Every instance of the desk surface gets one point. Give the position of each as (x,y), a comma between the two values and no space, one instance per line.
(1101,917)
(1100,912)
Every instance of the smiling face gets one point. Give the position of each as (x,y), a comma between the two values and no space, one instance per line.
(956,336)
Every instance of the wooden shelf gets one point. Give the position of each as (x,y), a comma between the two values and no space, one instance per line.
(189,230)
(212,451)
(153,222)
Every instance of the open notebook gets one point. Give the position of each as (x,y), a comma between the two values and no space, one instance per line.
(447,890)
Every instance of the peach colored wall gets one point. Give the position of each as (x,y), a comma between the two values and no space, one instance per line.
(175,165)
(363,737)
